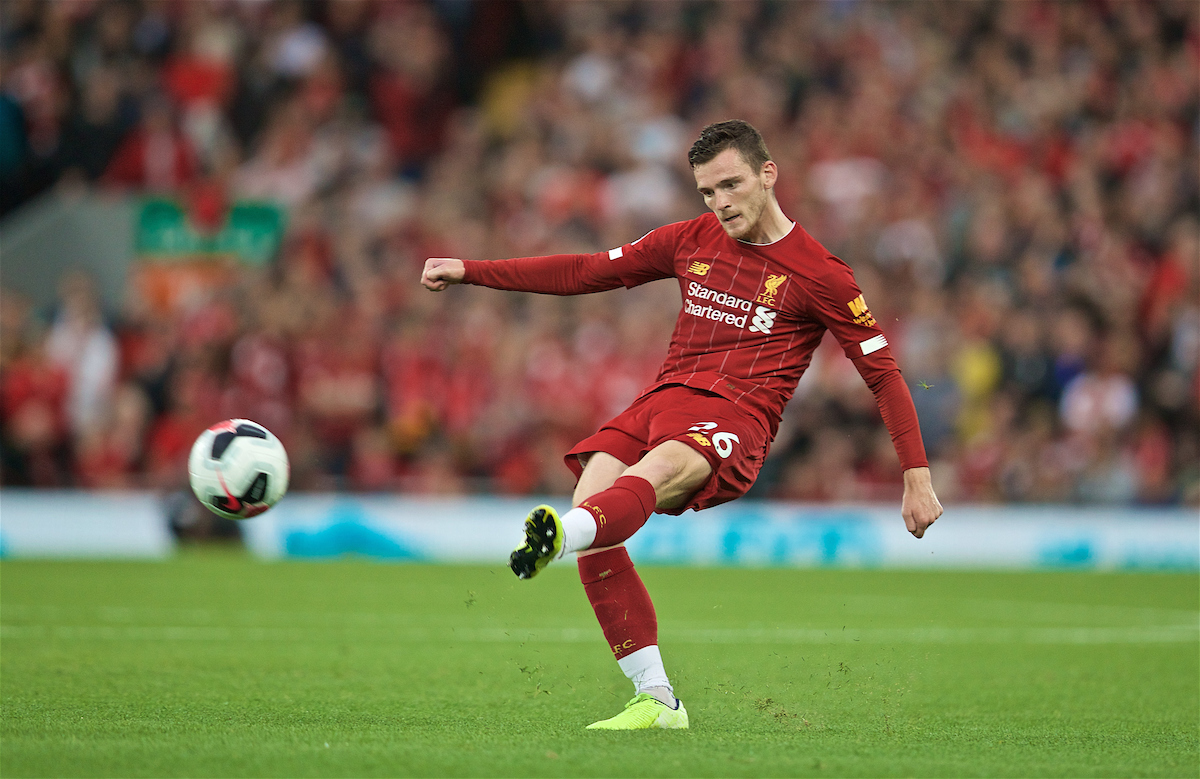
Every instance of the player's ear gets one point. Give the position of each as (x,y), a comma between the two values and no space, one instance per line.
(769,173)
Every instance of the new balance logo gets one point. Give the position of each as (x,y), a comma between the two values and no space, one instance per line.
(764,320)
(699,268)
(860,312)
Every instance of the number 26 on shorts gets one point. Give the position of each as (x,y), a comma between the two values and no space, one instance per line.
(722,442)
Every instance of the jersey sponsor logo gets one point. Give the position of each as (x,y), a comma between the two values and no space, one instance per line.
(699,268)
(697,290)
(860,312)
(873,344)
(715,314)
(764,320)
(617,253)
(770,289)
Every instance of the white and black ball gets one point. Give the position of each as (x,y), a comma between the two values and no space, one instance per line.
(238,469)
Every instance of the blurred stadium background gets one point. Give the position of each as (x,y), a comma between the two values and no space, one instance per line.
(217,209)
(220,208)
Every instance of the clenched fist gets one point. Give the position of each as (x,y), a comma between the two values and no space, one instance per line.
(441,272)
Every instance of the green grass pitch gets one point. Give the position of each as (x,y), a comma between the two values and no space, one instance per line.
(214,664)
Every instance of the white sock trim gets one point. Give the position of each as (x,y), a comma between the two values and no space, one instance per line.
(579,530)
(645,669)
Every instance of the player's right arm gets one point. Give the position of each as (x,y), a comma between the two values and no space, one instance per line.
(649,258)
(441,272)
(556,274)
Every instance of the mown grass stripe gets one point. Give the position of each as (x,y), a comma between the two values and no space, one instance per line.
(1156,634)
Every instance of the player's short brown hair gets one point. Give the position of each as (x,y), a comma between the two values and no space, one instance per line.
(732,134)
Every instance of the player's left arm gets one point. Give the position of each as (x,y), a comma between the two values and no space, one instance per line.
(920,506)
(838,303)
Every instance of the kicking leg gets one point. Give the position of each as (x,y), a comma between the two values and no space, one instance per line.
(620,499)
(612,502)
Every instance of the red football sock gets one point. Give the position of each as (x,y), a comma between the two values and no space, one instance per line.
(620,510)
(620,600)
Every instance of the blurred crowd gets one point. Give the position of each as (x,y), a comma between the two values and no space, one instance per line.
(1014,183)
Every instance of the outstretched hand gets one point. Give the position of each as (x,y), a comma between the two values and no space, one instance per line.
(920,506)
(441,272)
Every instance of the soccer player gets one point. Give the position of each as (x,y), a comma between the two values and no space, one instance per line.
(758,294)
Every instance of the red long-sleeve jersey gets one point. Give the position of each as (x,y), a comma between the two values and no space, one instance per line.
(752,315)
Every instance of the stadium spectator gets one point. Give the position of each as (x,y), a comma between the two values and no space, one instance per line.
(156,156)
(109,453)
(94,131)
(33,401)
(85,348)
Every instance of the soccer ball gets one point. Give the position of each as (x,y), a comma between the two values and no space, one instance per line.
(238,469)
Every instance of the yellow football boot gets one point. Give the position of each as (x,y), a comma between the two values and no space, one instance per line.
(543,542)
(644,712)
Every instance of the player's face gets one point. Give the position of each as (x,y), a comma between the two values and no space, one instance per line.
(735,192)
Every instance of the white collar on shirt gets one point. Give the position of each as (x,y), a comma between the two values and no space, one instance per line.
(768,243)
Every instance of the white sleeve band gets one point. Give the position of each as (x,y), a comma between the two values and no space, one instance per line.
(873,344)
(615,254)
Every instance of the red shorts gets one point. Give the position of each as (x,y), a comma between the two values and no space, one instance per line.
(734,442)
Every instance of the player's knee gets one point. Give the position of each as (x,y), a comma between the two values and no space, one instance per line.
(599,472)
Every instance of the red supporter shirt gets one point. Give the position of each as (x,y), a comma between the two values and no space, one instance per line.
(752,315)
